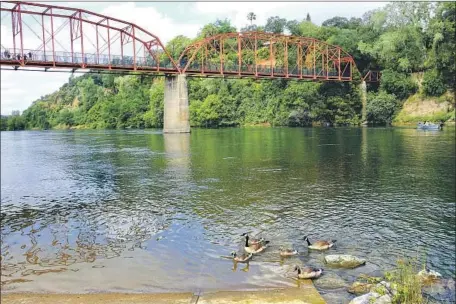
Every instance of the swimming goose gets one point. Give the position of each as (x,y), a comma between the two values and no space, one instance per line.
(319,245)
(242,258)
(308,272)
(253,241)
(287,252)
(254,248)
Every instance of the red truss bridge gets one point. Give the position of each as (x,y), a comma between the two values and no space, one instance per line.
(49,36)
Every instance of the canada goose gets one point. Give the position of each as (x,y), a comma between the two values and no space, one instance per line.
(319,245)
(253,241)
(254,248)
(308,272)
(287,252)
(242,258)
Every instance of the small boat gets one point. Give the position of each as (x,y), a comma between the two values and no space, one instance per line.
(429,126)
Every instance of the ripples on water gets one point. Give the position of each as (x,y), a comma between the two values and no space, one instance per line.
(142,211)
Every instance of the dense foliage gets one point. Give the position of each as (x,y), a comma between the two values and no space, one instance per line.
(381,107)
(401,39)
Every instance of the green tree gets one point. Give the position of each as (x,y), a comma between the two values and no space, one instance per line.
(340,22)
(381,107)
(218,27)
(433,83)
(153,118)
(177,45)
(251,17)
(399,84)
(275,25)
(442,33)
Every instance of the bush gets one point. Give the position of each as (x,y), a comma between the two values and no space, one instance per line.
(381,107)
(398,84)
(406,281)
(433,84)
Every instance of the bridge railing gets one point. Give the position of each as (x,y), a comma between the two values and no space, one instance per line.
(70,59)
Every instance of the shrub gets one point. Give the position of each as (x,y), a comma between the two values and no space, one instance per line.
(381,107)
(406,281)
(398,84)
(433,84)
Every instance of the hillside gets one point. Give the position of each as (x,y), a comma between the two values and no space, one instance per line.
(421,108)
(402,39)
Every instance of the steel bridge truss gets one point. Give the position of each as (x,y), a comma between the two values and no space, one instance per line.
(48,36)
(41,35)
(373,76)
(266,55)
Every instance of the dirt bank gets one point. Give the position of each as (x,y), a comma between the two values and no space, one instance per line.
(418,108)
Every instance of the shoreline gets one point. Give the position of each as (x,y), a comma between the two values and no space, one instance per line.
(305,294)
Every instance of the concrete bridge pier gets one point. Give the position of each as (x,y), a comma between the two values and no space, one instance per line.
(363,88)
(176,112)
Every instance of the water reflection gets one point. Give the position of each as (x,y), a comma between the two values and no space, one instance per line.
(108,209)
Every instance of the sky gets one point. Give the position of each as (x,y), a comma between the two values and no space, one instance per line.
(167,20)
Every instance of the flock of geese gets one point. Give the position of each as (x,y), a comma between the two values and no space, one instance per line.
(255,246)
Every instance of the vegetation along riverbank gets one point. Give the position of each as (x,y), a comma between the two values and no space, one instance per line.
(413,44)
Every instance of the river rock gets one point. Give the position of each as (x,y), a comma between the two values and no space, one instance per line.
(359,288)
(442,290)
(372,298)
(385,288)
(429,276)
(330,281)
(344,260)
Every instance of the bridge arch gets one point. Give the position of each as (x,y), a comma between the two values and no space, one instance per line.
(55,36)
(267,55)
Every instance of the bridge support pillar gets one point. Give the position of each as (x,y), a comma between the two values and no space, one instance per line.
(363,89)
(176,112)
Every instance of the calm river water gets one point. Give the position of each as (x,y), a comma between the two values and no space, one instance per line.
(140,211)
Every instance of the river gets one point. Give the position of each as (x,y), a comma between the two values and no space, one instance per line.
(140,211)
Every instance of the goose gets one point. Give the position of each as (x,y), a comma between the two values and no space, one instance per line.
(253,241)
(254,248)
(308,272)
(287,252)
(242,258)
(320,245)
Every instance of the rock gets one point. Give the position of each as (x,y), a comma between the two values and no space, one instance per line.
(372,298)
(428,276)
(359,288)
(364,299)
(330,281)
(384,288)
(385,299)
(344,260)
(442,290)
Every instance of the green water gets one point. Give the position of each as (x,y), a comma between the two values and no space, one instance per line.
(88,211)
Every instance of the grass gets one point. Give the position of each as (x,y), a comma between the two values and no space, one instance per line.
(422,108)
(406,281)
(435,117)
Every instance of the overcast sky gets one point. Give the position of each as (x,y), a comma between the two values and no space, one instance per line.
(166,20)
